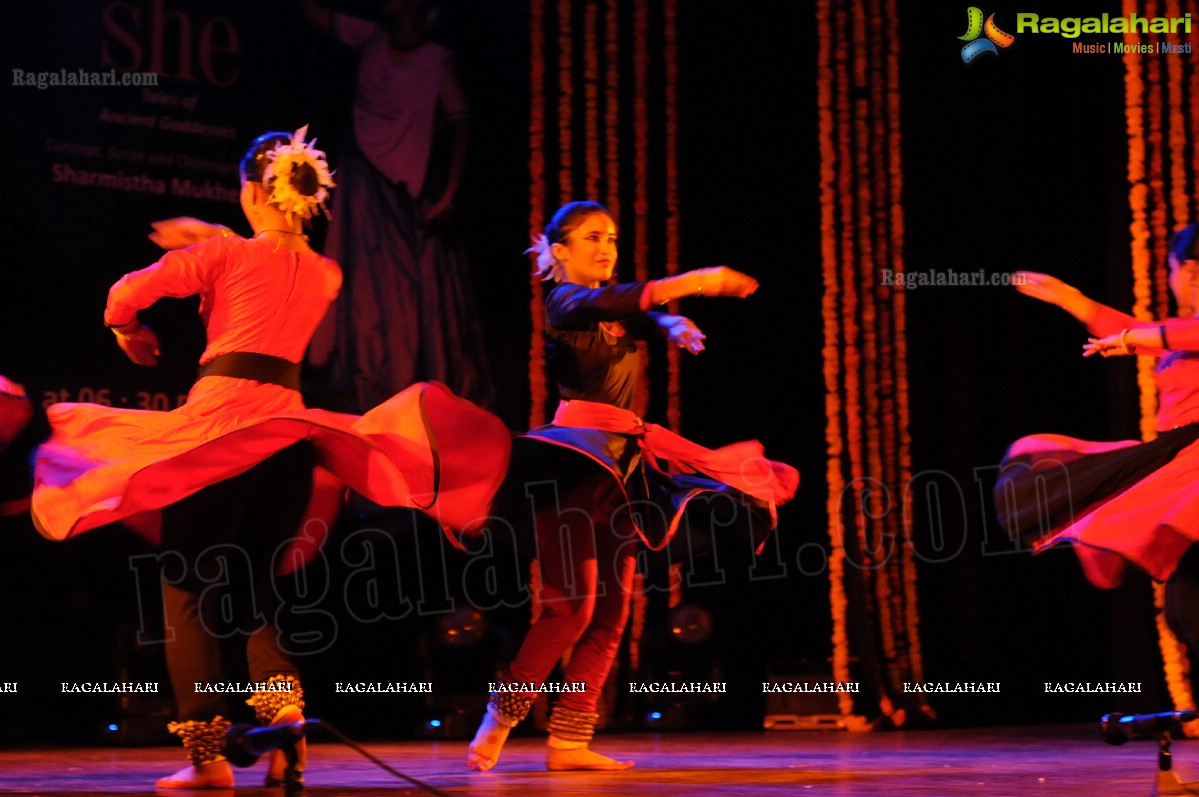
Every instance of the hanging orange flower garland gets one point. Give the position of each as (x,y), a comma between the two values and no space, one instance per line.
(851,359)
(673,402)
(591,141)
(537,385)
(895,218)
(565,104)
(1192,99)
(1158,227)
(1175,663)
(832,354)
(640,161)
(874,529)
(854,539)
(879,164)
(885,406)
(1177,132)
(612,107)
(1134,93)
(865,370)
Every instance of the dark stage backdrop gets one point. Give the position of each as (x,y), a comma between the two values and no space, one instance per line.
(1011,162)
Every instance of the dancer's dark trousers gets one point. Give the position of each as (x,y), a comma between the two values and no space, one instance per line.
(220,591)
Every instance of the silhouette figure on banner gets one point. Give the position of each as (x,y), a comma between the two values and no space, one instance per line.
(407,309)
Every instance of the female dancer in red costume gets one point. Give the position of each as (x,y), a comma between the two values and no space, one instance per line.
(232,469)
(1123,502)
(580,472)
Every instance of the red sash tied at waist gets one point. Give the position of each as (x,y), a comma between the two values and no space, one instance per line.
(740,465)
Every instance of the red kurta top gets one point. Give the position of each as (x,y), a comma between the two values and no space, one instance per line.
(423,447)
(1177,377)
(255,295)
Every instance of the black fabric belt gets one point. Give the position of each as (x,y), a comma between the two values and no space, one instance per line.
(259,367)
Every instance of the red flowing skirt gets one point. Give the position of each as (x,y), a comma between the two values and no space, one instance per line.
(424,448)
(604,434)
(1118,503)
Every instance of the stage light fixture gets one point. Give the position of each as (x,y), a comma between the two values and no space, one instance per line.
(462,629)
(690,625)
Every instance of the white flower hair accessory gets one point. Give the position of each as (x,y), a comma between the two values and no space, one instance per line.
(277,176)
(546,265)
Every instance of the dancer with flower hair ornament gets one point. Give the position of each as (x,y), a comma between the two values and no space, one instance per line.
(596,457)
(224,483)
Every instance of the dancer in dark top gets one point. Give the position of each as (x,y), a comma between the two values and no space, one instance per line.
(579,473)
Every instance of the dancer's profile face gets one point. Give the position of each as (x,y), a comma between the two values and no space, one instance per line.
(588,256)
(1184,284)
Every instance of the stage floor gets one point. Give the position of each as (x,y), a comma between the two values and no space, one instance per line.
(1004,761)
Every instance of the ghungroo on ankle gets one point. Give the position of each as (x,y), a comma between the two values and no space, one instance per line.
(267,704)
(509,708)
(572,726)
(204,741)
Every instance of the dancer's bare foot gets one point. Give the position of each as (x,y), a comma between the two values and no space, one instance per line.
(278,760)
(484,751)
(559,759)
(213,775)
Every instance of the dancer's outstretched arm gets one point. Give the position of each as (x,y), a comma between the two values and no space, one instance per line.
(714,281)
(184,231)
(1101,321)
(1148,337)
(681,331)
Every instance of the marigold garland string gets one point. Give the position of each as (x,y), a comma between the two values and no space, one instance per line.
(865,375)
(1157,197)
(1192,136)
(671,134)
(537,177)
(874,525)
(1134,98)
(612,107)
(915,659)
(1177,131)
(591,56)
(830,312)
(566,69)
(881,158)
(855,538)
(851,373)
(641,168)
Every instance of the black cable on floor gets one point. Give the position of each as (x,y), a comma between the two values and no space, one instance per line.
(355,746)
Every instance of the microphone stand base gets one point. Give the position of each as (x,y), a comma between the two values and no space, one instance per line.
(293,777)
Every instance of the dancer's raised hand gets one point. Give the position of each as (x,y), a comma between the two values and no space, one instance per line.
(1045,287)
(139,343)
(183,231)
